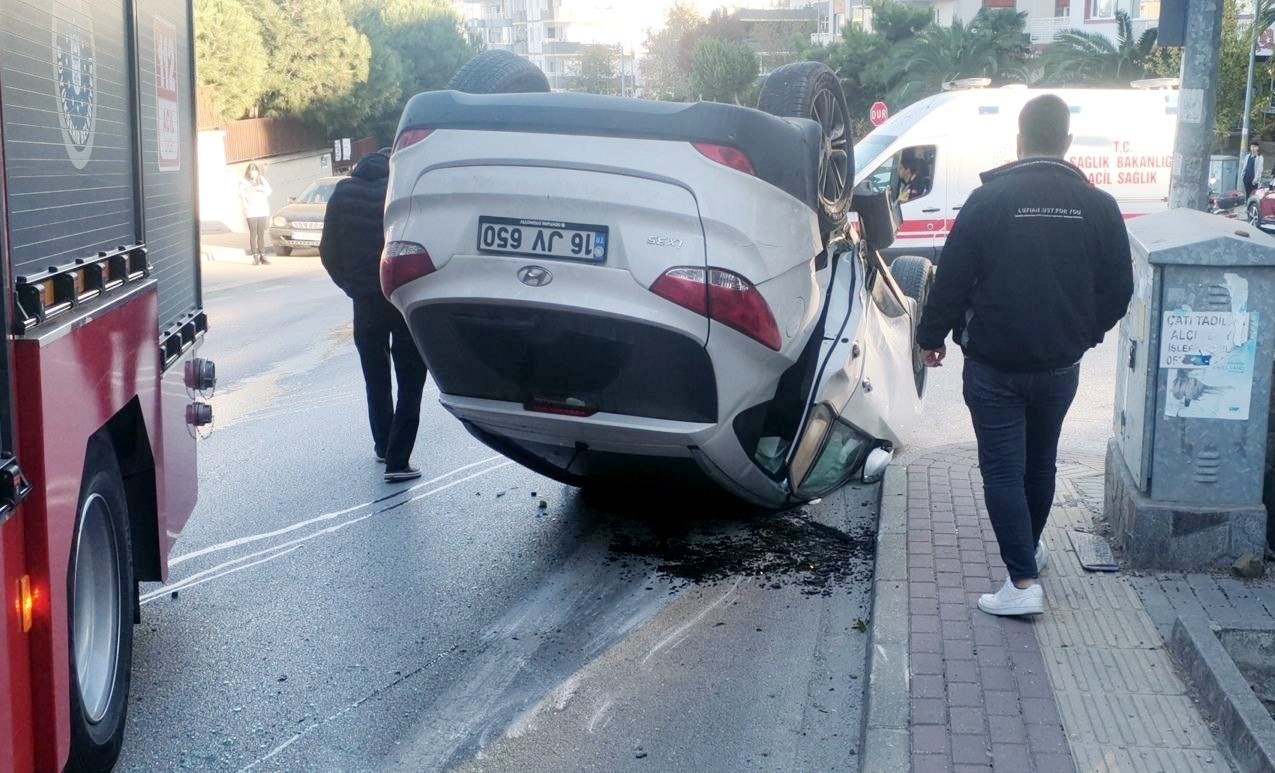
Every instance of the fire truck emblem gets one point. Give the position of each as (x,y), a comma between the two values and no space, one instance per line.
(75,78)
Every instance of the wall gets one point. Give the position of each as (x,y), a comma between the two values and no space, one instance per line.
(219,207)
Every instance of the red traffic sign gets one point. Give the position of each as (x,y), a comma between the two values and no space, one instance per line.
(879,113)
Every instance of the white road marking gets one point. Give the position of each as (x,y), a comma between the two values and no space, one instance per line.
(276,551)
(146,598)
(234,543)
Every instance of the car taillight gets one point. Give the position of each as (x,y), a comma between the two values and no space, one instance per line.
(727,156)
(401,263)
(723,296)
(410,137)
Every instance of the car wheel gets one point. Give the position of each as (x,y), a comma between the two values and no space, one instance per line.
(811,90)
(100,602)
(283,252)
(915,276)
(499,72)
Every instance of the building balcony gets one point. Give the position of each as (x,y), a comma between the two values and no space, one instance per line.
(1043,31)
(561,48)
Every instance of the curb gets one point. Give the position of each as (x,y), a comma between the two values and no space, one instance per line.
(887,743)
(1246,729)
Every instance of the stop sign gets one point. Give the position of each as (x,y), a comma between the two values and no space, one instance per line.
(879,113)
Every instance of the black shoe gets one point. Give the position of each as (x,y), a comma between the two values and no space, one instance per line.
(264,262)
(380,458)
(398,476)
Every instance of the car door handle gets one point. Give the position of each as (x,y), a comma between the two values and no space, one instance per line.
(931,209)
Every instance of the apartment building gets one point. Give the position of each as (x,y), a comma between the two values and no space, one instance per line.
(1045,18)
(552,33)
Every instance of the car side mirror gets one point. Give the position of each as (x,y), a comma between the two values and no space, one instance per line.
(879,214)
(875,465)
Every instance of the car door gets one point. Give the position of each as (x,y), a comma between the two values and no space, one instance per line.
(922,199)
(864,393)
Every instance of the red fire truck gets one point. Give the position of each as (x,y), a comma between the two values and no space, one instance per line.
(100,394)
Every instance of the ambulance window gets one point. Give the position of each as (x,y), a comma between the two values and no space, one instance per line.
(915,174)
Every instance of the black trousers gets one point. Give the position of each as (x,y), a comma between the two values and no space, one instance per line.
(382,339)
(257,235)
(1018,418)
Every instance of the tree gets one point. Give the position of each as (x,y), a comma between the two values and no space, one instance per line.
(665,71)
(853,60)
(230,56)
(1233,73)
(317,58)
(595,70)
(896,22)
(417,45)
(1079,58)
(722,70)
(989,47)
(779,44)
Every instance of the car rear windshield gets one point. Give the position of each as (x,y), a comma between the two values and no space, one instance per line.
(317,193)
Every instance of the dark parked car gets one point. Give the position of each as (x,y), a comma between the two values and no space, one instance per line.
(298,225)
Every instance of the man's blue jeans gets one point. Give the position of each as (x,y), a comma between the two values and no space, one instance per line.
(1017,419)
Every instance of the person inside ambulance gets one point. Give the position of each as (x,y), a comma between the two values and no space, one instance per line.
(914,182)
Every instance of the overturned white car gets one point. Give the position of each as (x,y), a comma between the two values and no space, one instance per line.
(612,289)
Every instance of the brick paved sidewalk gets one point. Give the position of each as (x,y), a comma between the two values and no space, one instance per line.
(1088,686)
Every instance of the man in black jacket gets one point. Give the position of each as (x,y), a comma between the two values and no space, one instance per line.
(1035,272)
(353,237)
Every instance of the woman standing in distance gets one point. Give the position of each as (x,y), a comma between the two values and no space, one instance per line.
(254,194)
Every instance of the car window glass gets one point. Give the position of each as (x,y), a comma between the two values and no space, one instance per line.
(884,177)
(317,193)
(840,457)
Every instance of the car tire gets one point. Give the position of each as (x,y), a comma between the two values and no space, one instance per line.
(499,72)
(811,90)
(283,252)
(915,277)
(100,597)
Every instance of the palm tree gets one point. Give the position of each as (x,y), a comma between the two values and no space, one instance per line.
(992,46)
(1089,59)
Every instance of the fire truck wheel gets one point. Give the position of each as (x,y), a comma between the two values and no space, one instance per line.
(100,600)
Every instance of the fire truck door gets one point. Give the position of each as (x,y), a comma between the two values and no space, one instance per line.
(16,590)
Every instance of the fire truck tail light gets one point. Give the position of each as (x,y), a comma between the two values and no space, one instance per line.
(26,602)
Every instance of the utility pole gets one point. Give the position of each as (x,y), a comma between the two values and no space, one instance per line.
(1196,105)
(1248,103)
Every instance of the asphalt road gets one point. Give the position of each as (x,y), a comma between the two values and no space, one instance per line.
(483,617)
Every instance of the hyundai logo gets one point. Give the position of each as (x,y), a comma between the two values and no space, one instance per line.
(534,276)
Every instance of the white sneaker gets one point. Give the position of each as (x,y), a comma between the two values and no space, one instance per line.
(1013,601)
(1042,557)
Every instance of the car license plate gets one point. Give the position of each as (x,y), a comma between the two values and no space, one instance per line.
(543,239)
(306,236)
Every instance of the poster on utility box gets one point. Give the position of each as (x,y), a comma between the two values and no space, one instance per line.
(1209,357)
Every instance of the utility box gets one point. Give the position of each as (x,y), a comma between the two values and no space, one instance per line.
(1185,470)
(1224,173)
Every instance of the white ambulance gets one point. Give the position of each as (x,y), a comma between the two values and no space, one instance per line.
(1122,138)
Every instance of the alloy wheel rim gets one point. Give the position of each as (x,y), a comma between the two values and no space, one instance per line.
(834,161)
(95,616)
